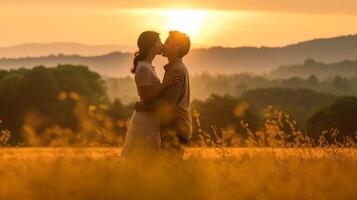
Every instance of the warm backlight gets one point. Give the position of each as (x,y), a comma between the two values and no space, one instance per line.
(188,21)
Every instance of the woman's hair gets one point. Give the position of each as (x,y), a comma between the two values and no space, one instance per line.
(146,41)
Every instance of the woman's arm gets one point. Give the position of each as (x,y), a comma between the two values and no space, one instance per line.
(148,94)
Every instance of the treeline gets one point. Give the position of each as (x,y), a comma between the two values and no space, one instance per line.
(276,117)
(202,86)
(69,105)
(63,105)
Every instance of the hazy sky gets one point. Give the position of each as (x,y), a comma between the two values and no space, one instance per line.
(210,23)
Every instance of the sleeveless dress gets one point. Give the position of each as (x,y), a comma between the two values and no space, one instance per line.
(143,133)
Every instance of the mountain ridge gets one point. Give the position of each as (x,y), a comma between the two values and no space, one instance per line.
(213,60)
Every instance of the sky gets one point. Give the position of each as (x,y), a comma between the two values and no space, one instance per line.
(228,23)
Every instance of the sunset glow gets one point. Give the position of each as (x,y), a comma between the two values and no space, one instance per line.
(188,21)
(213,23)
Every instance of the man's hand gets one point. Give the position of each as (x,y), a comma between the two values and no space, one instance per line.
(171,79)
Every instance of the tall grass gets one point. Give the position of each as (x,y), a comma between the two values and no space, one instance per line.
(279,163)
(253,173)
(280,131)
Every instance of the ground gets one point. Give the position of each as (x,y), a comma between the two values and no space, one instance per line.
(240,173)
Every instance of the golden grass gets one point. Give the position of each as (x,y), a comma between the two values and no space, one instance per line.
(222,173)
(278,162)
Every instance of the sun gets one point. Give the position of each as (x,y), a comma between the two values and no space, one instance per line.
(185,20)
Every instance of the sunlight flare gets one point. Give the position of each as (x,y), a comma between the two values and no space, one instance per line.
(186,20)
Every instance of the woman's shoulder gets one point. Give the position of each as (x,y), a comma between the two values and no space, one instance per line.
(144,68)
(143,71)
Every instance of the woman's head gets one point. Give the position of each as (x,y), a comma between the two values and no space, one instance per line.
(149,43)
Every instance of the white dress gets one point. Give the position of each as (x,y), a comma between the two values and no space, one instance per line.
(143,134)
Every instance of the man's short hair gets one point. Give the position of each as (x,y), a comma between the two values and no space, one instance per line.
(182,40)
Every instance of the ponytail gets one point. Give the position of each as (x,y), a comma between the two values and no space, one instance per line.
(135,62)
(139,56)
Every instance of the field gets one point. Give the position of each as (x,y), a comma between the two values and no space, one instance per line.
(239,173)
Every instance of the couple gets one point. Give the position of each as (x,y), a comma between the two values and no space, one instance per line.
(161,123)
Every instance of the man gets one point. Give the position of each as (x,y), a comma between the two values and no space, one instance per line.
(176,125)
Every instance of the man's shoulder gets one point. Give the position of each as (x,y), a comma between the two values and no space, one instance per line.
(179,67)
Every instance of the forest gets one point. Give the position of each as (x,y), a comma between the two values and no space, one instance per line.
(71,105)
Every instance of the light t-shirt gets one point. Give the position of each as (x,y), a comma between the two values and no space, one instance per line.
(145,75)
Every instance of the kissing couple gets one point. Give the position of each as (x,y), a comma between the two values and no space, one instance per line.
(161,124)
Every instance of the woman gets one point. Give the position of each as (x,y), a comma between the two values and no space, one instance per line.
(143,134)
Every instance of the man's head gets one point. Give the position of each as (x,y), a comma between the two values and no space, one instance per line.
(177,45)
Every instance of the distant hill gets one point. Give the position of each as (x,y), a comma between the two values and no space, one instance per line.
(68,48)
(215,59)
(251,59)
(113,64)
(345,68)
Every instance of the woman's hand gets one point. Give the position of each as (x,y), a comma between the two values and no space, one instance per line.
(171,80)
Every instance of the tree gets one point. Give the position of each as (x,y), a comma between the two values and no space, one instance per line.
(340,115)
(299,103)
(224,112)
(313,81)
(50,94)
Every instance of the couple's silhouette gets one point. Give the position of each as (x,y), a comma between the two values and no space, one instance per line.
(161,123)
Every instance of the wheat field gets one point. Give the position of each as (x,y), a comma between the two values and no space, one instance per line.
(205,173)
